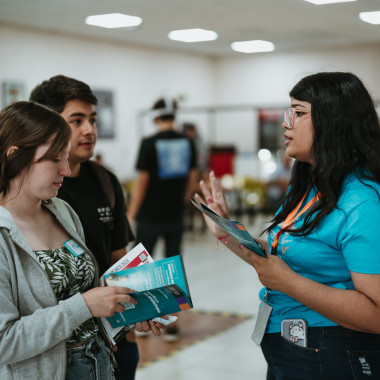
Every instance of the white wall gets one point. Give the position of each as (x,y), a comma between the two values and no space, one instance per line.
(138,76)
(267,78)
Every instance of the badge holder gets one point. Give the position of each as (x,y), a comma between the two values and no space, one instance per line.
(262,320)
(74,248)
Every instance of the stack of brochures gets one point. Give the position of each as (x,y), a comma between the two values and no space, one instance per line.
(160,288)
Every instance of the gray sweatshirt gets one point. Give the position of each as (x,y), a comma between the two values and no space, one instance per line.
(33,324)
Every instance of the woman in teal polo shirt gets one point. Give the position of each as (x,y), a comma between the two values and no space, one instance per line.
(320,312)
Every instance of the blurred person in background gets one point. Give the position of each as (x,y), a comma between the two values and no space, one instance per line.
(166,179)
(191,214)
(191,131)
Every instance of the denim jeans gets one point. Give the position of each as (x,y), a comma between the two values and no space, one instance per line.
(332,353)
(92,361)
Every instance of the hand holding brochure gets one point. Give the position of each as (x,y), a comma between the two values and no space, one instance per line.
(161,289)
(236,229)
(135,257)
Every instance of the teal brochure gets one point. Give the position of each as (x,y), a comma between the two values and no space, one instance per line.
(234,228)
(160,287)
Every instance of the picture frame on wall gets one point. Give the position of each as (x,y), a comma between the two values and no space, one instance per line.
(12,91)
(105,114)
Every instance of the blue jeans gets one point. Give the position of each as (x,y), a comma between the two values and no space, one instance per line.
(332,353)
(92,361)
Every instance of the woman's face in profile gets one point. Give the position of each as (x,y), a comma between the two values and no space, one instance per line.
(299,135)
(44,178)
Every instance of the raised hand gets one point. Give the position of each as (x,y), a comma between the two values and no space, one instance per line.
(215,200)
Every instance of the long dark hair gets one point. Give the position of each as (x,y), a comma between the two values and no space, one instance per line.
(346,139)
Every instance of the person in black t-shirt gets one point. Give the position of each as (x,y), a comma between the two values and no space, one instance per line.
(167,175)
(167,171)
(106,222)
(93,192)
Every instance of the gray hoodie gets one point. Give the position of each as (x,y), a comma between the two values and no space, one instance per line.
(33,324)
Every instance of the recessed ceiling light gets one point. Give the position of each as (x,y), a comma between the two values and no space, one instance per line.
(113,20)
(255,46)
(193,35)
(322,2)
(371,17)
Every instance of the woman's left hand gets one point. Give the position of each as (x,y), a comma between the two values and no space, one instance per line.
(146,326)
(273,272)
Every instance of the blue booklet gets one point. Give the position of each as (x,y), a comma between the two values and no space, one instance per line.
(234,228)
(161,289)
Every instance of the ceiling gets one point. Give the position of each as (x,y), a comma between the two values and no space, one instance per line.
(289,24)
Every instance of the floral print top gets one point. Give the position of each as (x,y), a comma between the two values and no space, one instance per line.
(69,275)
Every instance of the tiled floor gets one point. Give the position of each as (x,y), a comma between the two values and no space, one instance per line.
(195,325)
(219,281)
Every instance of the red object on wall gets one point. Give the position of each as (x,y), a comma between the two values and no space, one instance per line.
(221,160)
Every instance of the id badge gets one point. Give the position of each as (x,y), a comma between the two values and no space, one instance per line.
(75,249)
(261,322)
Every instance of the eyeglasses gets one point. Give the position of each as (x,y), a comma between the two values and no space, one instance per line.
(289,116)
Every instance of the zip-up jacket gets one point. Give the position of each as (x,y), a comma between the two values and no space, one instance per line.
(33,324)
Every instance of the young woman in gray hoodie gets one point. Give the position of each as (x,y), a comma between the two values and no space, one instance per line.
(49,294)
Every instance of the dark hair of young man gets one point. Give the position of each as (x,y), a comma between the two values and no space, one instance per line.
(58,90)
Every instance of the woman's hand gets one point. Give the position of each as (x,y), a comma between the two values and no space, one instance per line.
(215,200)
(272,271)
(147,326)
(106,301)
